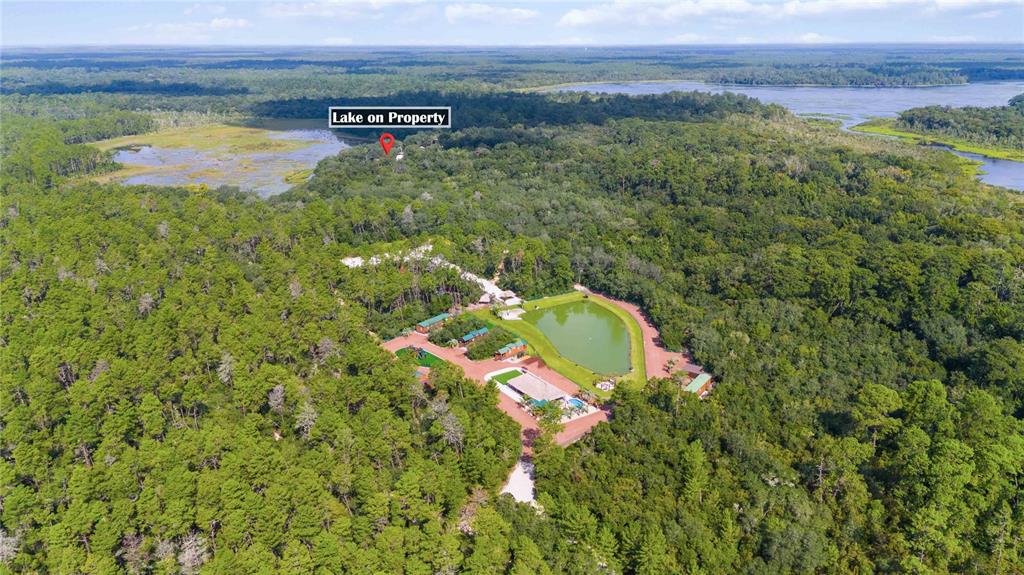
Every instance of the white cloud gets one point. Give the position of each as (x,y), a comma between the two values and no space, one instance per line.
(185,32)
(987,14)
(308,9)
(487,13)
(815,38)
(204,9)
(227,23)
(337,41)
(962,39)
(961,4)
(814,7)
(653,12)
(646,13)
(688,38)
(336,9)
(566,41)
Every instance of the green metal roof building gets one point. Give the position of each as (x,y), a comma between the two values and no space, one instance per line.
(473,335)
(428,323)
(511,346)
(698,383)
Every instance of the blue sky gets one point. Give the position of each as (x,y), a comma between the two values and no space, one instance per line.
(510,22)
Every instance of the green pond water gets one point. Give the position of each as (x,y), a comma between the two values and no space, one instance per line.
(587,334)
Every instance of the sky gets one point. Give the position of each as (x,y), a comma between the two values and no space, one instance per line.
(509,22)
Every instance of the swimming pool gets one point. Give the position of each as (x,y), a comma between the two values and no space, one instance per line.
(576,403)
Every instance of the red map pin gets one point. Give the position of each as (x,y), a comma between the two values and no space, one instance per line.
(386,141)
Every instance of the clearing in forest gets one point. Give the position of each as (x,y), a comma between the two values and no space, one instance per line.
(566,359)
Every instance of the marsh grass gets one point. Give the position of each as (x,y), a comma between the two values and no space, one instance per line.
(220,137)
(887,127)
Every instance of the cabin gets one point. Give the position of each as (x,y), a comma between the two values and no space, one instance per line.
(433,323)
(473,335)
(514,349)
(700,385)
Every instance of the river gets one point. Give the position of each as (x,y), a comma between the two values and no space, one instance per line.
(855,105)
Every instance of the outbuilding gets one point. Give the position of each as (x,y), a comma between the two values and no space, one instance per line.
(473,335)
(700,385)
(430,324)
(514,349)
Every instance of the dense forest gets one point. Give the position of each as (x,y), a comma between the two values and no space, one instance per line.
(840,75)
(998,125)
(170,78)
(193,382)
(38,150)
(184,387)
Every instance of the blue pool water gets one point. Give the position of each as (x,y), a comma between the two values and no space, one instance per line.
(576,403)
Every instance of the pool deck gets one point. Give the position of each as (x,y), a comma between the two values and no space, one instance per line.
(476,370)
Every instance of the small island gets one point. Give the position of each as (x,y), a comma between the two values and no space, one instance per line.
(996,132)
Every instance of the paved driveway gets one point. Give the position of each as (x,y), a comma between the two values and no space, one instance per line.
(476,370)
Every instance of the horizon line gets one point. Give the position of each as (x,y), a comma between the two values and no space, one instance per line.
(806,45)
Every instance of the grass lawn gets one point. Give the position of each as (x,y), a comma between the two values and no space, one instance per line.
(887,127)
(428,359)
(504,378)
(552,301)
(539,345)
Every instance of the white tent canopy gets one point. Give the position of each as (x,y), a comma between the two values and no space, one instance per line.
(536,387)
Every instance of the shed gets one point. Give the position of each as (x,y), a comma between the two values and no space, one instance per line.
(430,323)
(473,335)
(700,384)
(515,348)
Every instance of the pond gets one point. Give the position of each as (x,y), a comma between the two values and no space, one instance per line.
(853,106)
(587,334)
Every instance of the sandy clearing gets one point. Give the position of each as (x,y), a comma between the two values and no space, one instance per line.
(520,482)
